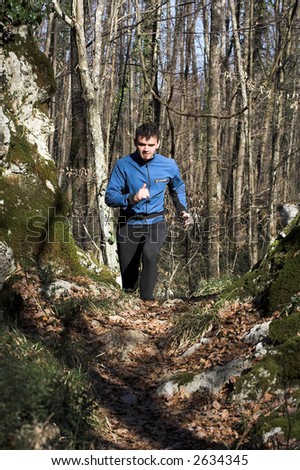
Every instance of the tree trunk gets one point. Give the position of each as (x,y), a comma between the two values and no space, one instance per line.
(91,85)
(213,151)
(242,138)
(252,211)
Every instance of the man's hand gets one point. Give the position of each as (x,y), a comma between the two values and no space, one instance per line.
(187,219)
(142,193)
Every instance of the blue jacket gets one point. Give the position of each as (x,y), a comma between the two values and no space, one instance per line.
(128,176)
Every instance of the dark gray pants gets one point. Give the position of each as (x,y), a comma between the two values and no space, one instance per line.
(138,243)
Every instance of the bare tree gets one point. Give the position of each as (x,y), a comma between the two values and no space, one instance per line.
(213,147)
(93,76)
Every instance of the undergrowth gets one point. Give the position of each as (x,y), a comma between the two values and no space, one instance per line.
(190,326)
(44,403)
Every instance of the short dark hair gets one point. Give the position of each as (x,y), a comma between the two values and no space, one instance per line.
(147,130)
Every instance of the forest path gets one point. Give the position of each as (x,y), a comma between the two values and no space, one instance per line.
(139,348)
(129,349)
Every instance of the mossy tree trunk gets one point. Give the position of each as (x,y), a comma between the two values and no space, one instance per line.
(78,158)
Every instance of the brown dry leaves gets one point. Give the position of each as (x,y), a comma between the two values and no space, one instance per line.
(141,420)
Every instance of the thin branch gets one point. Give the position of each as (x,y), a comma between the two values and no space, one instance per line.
(62,14)
(167,103)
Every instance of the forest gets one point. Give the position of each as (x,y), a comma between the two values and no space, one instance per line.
(215,364)
(220,78)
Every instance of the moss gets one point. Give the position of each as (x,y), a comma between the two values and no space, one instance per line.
(34,220)
(258,380)
(282,369)
(24,214)
(252,284)
(285,328)
(20,150)
(288,423)
(30,207)
(59,249)
(286,284)
(99,273)
(289,359)
(276,278)
(24,153)
(105,276)
(183,378)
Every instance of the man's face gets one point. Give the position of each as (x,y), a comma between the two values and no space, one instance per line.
(146,147)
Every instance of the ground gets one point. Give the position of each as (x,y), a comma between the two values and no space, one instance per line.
(128,349)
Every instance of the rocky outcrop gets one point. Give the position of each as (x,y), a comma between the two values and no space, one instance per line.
(28,83)
(28,184)
(34,213)
(25,96)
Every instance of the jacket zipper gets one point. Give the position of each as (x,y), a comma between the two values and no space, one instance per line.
(148,172)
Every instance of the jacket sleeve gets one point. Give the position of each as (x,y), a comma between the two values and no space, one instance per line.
(115,193)
(177,191)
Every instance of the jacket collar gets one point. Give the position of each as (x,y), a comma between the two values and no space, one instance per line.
(138,159)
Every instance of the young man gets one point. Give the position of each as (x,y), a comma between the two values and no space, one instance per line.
(137,186)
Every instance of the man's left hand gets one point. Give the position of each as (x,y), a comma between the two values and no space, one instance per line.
(187,219)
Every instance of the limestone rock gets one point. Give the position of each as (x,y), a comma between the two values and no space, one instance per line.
(6,262)
(210,381)
(120,342)
(257,333)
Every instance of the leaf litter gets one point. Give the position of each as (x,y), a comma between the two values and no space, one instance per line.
(125,385)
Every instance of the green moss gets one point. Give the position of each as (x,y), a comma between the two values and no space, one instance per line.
(59,249)
(252,385)
(20,150)
(286,284)
(289,359)
(281,368)
(24,214)
(183,378)
(24,153)
(105,276)
(276,278)
(285,328)
(30,209)
(34,220)
(252,284)
(289,424)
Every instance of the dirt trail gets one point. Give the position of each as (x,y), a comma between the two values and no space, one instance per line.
(129,354)
(127,383)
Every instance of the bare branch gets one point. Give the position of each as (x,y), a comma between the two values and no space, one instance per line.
(167,103)
(62,14)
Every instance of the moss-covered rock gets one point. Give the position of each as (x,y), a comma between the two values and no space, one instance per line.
(276,278)
(285,328)
(275,372)
(280,426)
(260,379)
(59,249)
(34,214)
(40,63)
(26,202)
(286,283)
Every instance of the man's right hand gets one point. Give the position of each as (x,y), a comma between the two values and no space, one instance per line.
(142,193)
